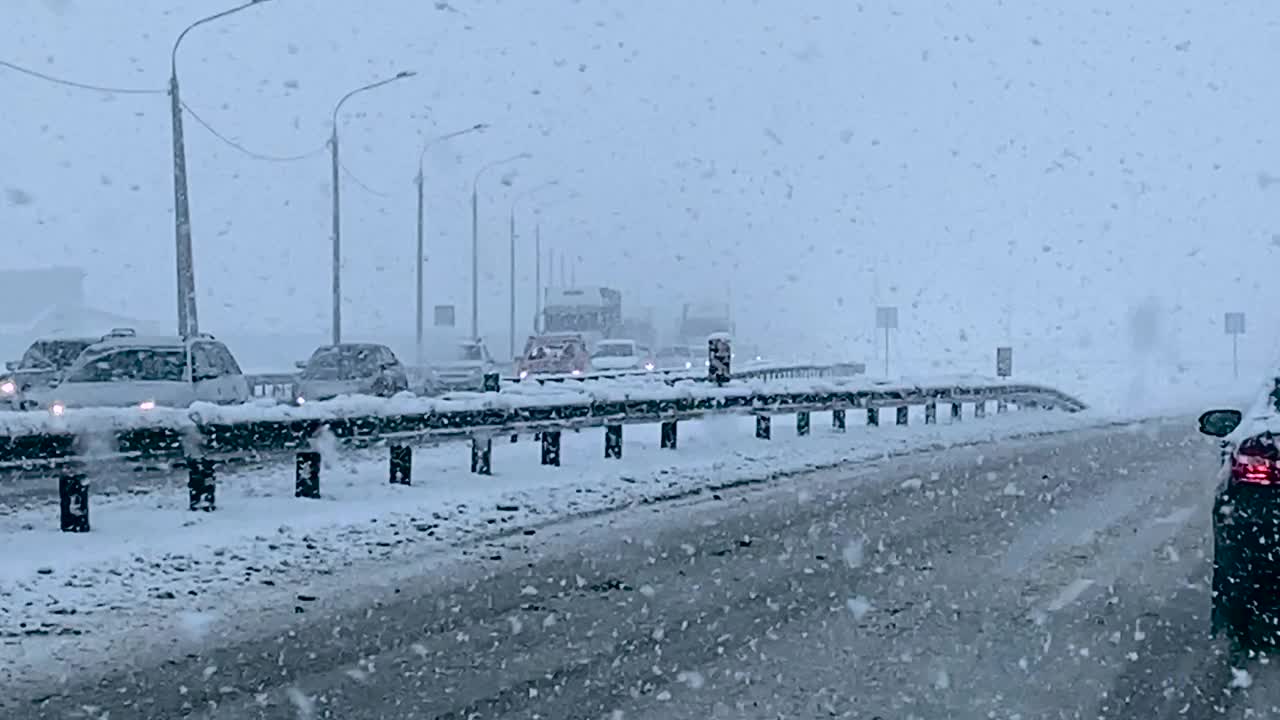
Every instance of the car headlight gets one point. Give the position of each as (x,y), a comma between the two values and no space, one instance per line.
(300,400)
(57,408)
(524,374)
(8,387)
(688,365)
(648,366)
(575,371)
(147,405)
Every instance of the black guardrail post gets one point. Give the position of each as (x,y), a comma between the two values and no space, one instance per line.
(837,420)
(719,359)
(306,471)
(764,427)
(73,499)
(201,484)
(491,382)
(802,423)
(551,447)
(957,412)
(482,455)
(902,415)
(931,413)
(670,435)
(401,462)
(873,416)
(613,441)
(980,409)
(1001,407)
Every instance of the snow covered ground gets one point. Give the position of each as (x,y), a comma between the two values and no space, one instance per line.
(152,574)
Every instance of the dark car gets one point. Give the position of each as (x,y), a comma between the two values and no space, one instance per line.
(1246,527)
(350,369)
(40,368)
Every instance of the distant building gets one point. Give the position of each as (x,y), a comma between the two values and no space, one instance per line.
(44,302)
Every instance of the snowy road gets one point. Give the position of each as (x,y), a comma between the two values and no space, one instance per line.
(1060,577)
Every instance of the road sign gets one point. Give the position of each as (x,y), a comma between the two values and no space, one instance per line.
(444,315)
(1004,361)
(1233,323)
(886,319)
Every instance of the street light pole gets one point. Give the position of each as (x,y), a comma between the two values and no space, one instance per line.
(421,240)
(475,238)
(188,322)
(337,216)
(511,317)
(537,275)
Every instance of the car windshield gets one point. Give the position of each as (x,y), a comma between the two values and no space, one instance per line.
(52,354)
(343,363)
(542,349)
(611,350)
(131,365)
(468,352)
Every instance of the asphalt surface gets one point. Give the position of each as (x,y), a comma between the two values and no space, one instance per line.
(1063,577)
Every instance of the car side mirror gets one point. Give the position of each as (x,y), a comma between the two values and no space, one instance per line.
(300,364)
(11,365)
(1220,423)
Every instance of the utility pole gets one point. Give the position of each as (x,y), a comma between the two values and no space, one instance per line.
(188,321)
(420,180)
(336,184)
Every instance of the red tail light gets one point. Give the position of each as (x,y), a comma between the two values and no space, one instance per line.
(1254,470)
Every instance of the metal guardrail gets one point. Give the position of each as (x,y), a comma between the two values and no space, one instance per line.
(235,431)
(200,443)
(282,386)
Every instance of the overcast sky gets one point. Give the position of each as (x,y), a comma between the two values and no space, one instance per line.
(1075,162)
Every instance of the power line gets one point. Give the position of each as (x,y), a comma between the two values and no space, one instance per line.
(148,91)
(255,155)
(80,85)
(361,183)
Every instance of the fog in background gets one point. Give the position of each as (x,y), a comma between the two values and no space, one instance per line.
(1002,172)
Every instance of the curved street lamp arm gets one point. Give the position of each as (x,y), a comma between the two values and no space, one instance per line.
(478,127)
(173,55)
(398,76)
(475,184)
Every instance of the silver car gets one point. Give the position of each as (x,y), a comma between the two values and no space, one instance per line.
(123,370)
(461,366)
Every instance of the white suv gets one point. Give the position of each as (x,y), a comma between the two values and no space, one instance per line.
(124,370)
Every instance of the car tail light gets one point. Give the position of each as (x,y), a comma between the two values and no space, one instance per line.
(1254,470)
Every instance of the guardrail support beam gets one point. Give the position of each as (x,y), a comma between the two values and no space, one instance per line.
(551,447)
(902,415)
(873,416)
(1001,407)
(764,427)
(73,499)
(802,423)
(306,483)
(401,464)
(931,413)
(980,409)
(482,455)
(957,412)
(837,420)
(613,442)
(670,435)
(201,485)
